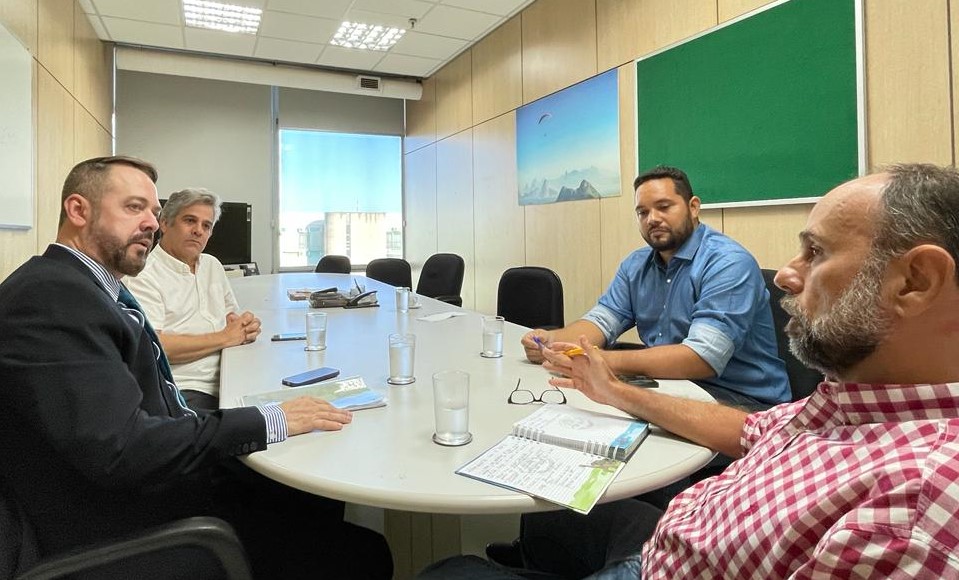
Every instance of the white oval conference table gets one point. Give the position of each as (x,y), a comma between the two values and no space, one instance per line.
(386,457)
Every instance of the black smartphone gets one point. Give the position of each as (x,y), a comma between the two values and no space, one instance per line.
(309,377)
(288,336)
(639,381)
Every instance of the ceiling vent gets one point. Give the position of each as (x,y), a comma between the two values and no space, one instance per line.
(366,83)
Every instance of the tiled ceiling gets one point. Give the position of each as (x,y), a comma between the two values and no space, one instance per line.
(299,31)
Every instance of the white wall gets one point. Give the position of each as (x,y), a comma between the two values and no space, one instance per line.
(219,135)
(203,133)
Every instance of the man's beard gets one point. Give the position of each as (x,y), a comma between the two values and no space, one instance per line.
(674,238)
(850,331)
(114,252)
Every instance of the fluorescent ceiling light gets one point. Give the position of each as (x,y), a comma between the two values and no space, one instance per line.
(226,17)
(366,36)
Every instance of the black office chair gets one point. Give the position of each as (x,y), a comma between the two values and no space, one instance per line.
(333,264)
(531,296)
(392,271)
(442,278)
(802,379)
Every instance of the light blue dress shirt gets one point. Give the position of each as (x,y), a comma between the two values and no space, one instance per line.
(712,298)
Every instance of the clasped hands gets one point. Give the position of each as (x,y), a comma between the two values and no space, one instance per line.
(243,328)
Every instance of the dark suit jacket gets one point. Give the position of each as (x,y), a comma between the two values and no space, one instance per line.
(88,445)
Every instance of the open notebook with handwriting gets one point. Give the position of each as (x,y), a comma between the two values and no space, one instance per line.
(562,454)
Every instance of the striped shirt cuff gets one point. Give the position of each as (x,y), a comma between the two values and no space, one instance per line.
(275,423)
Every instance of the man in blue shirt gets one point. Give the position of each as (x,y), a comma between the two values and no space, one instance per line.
(697,299)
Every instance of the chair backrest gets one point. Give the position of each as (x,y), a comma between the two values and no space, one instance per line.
(802,379)
(531,296)
(333,264)
(392,271)
(442,277)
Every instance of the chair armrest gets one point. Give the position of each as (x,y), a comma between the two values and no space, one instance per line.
(212,535)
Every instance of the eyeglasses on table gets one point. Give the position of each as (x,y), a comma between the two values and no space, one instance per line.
(520,396)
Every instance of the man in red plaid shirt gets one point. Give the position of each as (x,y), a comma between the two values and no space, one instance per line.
(861,479)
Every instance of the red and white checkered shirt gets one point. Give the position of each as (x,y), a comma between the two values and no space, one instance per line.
(857,481)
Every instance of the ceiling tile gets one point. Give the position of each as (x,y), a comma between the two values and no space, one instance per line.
(380,18)
(501,7)
(160,11)
(295,27)
(219,42)
(339,57)
(401,64)
(405,8)
(287,51)
(333,9)
(428,45)
(456,22)
(145,33)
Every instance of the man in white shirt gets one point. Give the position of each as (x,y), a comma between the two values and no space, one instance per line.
(188,299)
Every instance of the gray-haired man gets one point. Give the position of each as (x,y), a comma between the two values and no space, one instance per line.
(186,296)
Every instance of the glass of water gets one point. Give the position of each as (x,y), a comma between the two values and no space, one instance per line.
(402,351)
(402,299)
(451,399)
(315,331)
(492,336)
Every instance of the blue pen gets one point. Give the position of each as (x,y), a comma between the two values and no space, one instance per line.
(538,341)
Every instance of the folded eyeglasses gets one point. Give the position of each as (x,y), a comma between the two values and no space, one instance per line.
(520,396)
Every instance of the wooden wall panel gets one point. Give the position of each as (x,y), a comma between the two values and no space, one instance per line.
(93,71)
(713,218)
(498,219)
(454,96)
(619,231)
(908,82)
(421,118)
(498,72)
(729,9)
(20,18)
(46,28)
(454,204)
(954,51)
(559,45)
(770,233)
(419,205)
(632,28)
(55,39)
(55,122)
(563,237)
(91,139)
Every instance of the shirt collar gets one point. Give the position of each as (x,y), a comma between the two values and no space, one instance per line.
(861,403)
(106,280)
(171,262)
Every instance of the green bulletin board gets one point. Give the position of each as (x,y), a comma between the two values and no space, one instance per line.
(762,110)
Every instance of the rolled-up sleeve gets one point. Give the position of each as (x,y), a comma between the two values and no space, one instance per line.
(613,314)
(711,345)
(725,310)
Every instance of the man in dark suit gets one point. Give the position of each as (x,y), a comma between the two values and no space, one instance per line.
(95,437)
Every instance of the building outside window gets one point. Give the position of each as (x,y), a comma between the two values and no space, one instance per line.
(340,193)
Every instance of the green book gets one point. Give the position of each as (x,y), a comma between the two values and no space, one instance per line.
(350,394)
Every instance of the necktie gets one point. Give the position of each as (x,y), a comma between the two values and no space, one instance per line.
(127,300)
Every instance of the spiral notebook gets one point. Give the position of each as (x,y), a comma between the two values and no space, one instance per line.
(562,454)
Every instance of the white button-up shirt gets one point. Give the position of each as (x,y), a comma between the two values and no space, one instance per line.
(178,301)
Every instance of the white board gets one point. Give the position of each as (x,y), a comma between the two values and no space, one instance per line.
(16,133)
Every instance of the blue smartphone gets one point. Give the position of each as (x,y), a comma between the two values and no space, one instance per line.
(310,377)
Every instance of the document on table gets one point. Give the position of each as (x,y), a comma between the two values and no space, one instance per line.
(565,476)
